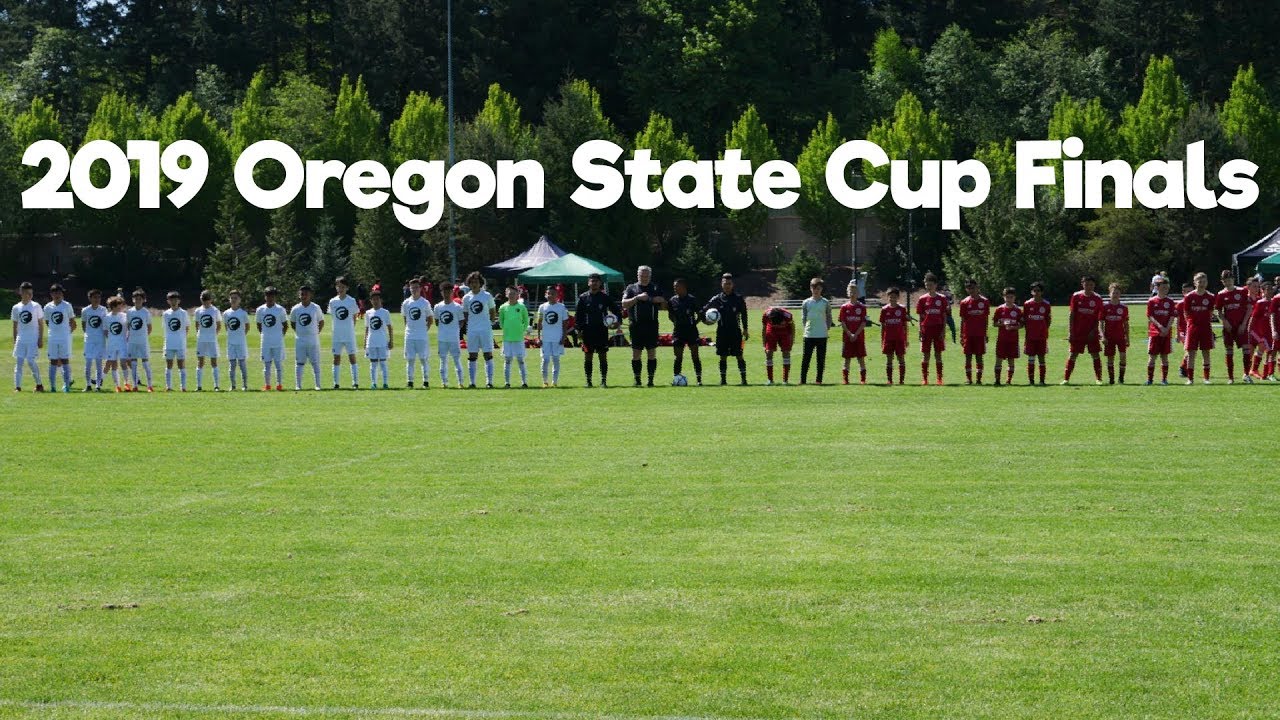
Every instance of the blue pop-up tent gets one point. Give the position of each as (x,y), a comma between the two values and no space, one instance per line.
(1256,253)
(540,253)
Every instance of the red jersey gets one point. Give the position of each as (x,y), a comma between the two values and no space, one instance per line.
(932,310)
(1275,308)
(1180,308)
(1115,319)
(1008,320)
(1233,304)
(893,322)
(853,316)
(1086,310)
(1036,317)
(1198,310)
(1260,321)
(1159,310)
(975,314)
(778,320)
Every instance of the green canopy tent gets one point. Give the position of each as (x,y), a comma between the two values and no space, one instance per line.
(1270,267)
(568,269)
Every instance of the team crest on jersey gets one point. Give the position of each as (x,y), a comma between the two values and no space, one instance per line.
(233,323)
(342,313)
(375,322)
(477,307)
(446,317)
(175,324)
(24,317)
(56,318)
(415,314)
(135,324)
(206,321)
(304,319)
(95,322)
(116,328)
(552,318)
(269,320)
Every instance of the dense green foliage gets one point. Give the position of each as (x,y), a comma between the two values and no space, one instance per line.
(687,79)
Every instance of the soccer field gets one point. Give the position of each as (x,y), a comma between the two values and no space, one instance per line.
(758,552)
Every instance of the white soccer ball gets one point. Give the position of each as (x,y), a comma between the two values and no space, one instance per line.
(611,320)
(679,381)
(713,316)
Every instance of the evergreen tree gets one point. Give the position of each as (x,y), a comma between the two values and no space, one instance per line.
(750,135)
(329,258)
(378,251)
(1145,128)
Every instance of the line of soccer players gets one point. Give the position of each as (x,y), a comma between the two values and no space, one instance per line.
(117,336)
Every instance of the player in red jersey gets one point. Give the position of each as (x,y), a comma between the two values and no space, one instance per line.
(1008,319)
(1260,336)
(1234,308)
(1082,328)
(1161,314)
(933,310)
(1115,333)
(1036,317)
(1181,309)
(893,335)
(975,319)
(779,334)
(853,328)
(1274,308)
(1198,306)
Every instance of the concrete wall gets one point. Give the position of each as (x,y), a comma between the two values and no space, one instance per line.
(783,232)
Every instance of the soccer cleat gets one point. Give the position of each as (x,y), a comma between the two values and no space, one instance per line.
(506,386)
(1206,381)
(1164,382)
(410,386)
(1064,382)
(217,389)
(1148,382)
(150,389)
(88,388)
(997,383)
(939,382)
(472,386)
(17,389)
(280,388)
(119,389)
(767,383)
(355,386)
(199,389)
(1190,382)
(524,386)
(489,386)
(649,384)
(266,388)
(1097,382)
(545,385)
(335,386)
(1246,380)
(604,384)
(1232,381)
(588,384)
(39,388)
(386,386)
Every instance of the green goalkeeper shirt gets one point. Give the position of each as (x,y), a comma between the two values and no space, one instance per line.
(514,320)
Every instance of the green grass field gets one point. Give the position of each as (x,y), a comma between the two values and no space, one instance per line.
(711,552)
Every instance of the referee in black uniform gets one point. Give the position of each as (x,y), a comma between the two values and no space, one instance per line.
(593,306)
(731,331)
(685,312)
(643,300)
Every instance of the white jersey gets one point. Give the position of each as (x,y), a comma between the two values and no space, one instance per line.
(175,323)
(117,331)
(476,307)
(376,323)
(271,322)
(343,310)
(139,324)
(206,320)
(28,316)
(448,322)
(552,316)
(94,320)
(415,314)
(237,323)
(306,322)
(59,316)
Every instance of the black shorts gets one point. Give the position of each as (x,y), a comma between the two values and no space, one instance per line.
(681,341)
(644,337)
(728,344)
(595,340)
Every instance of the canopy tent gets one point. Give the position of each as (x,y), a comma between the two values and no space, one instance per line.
(1270,267)
(568,268)
(541,252)
(1262,250)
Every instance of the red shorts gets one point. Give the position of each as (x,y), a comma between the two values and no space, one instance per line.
(974,345)
(932,337)
(855,348)
(1261,342)
(1230,338)
(893,345)
(1036,347)
(1091,345)
(1110,346)
(1007,349)
(1159,345)
(779,340)
(1199,340)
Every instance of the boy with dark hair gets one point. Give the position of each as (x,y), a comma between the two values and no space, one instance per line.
(550,325)
(208,320)
(513,318)
(853,330)
(60,321)
(595,313)
(236,321)
(139,339)
(934,312)
(1007,320)
(731,328)
(448,319)
(1260,335)
(683,309)
(1115,332)
(815,318)
(1083,323)
(1235,307)
(28,335)
(176,323)
(778,332)
(1198,307)
(307,320)
(117,329)
(93,318)
(893,335)
(1161,314)
(378,339)
(479,313)
(343,309)
(975,318)
(1037,315)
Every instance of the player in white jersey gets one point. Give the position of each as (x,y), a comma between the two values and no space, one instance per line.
(272,323)
(28,336)
(307,320)
(208,321)
(176,324)
(550,324)
(416,313)
(479,313)
(117,329)
(378,340)
(93,318)
(60,321)
(139,351)
(343,309)
(236,320)
(448,317)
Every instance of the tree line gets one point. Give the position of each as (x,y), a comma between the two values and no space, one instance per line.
(779,80)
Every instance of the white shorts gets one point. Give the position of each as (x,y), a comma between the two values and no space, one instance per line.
(344,347)
(207,350)
(237,352)
(113,354)
(446,348)
(58,349)
(553,349)
(26,351)
(273,353)
(513,349)
(307,352)
(415,349)
(376,352)
(139,351)
(480,341)
(175,354)
(96,351)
